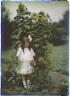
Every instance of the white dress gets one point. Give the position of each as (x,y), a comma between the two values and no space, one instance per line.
(25,58)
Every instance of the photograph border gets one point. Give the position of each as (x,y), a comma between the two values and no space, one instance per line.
(1,49)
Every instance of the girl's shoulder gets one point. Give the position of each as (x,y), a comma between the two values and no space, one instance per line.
(31,49)
(19,49)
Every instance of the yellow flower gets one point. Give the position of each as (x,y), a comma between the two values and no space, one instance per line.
(21,6)
(34,15)
(40,17)
(42,13)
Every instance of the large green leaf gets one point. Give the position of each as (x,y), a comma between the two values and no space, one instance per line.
(27,26)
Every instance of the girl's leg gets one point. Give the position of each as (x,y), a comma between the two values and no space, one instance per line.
(24,81)
(28,80)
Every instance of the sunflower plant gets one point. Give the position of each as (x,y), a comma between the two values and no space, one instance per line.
(42,39)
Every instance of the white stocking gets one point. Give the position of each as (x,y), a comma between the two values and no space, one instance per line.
(24,83)
(28,81)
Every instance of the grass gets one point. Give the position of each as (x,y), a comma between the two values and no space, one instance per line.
(60,58)
(6,54)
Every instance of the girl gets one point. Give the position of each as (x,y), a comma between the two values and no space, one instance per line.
(26,56)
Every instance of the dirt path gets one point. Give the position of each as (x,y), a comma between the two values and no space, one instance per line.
(57,78)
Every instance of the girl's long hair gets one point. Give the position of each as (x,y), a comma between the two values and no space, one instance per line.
(24,39)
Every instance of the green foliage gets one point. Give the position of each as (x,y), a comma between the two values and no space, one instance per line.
(60,30)
(63,89)
(38,28)
(40,80)
(65,22)
(7,28)
(9,66)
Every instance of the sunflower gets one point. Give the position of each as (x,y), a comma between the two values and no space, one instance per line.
(21,6)
(34,15)
(40,17)
(42,13)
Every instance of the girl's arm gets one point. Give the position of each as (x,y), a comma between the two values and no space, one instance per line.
(32,52)
(33,62)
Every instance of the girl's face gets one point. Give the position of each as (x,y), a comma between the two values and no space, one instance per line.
(26,41)
(26,44)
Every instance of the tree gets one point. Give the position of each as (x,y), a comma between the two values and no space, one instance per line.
(65,23)
(60,30)
(7,28)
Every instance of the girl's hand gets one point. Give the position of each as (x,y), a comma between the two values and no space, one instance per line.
(33,62)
